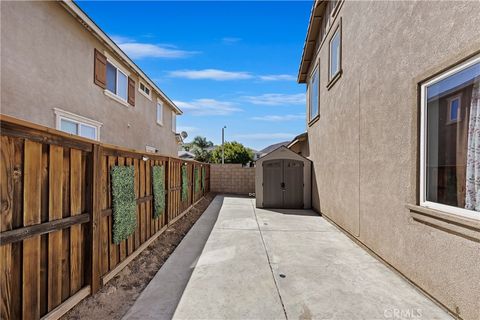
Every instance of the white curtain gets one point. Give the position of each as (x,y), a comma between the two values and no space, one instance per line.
(472,196)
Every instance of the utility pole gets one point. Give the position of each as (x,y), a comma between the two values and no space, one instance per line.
(223,143)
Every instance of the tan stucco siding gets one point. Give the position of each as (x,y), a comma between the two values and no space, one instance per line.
(47,62)
(364,147)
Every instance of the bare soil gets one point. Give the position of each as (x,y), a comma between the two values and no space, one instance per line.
(119,294)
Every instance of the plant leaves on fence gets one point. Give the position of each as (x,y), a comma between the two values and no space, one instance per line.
(158,176)
(184,183)
(204,176)
(197,179)
(123,202)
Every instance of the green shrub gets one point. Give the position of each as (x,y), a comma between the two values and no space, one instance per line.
(158,177)
(197,179)
(123,202)
(184,183)
(204,176)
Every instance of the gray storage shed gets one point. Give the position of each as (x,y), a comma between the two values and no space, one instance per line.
(283,180)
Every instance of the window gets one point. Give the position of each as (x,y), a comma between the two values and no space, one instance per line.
(145,90)
(150,149)
(454,109)
(78,125)
(174,122)
(313,95)
(450,141)
(117,81)
(335,55)
(160,113)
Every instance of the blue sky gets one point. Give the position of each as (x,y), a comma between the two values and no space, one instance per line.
(222,62)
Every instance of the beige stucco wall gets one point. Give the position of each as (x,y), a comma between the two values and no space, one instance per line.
(364,147)
(232,178)
(47,62)
(284,153)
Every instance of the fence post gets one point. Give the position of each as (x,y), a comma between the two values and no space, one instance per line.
(95,245)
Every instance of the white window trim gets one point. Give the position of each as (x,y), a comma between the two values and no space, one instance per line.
(150,149)
(315,69)
(62,114)
(113,95)
(423,126)
(174,122)
(459,115)
(330,75)
(160,123)
(148,96)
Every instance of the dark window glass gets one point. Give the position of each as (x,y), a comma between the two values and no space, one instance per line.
(111,78)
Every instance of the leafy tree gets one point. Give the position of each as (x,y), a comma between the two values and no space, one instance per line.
(235,152)
(200,148)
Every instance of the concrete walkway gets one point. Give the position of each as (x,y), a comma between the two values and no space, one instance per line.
(283,264)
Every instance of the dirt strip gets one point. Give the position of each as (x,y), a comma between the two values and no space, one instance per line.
(118,295)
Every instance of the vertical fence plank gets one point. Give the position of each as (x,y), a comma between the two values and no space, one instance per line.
(32,216)
(148,205)
(55,238)
(75,230)
(96,198)
(113,251)
(137,193)
(130,240)
(104,220)
(7,150)
(66,232)
(143,223)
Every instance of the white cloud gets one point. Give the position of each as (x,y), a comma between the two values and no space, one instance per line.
(138,50)
(265,136)
(211,74)
(231,40)
(276,99)
(278,77)
(188,129)
(203,107)
(279,118)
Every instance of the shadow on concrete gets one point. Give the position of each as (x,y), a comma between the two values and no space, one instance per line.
(295,212)
(162,295)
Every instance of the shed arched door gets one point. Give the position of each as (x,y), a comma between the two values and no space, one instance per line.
(283,184)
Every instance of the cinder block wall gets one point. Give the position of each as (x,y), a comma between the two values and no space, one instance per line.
(232,178)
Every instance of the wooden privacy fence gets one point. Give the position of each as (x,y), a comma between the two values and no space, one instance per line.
(56,216)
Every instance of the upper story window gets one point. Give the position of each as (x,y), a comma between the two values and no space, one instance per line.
(145,90)
(450,141)
(335,54)
(117,81)
(160,113)
(313,93)
(174,122)
(78,125)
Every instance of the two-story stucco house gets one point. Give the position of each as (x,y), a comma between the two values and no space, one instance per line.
(393,113)
(59,69)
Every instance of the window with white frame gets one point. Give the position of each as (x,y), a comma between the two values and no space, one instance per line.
(117,81)
(78,125)
(174,122)
(145,90)
(159,113)
(150,149)
(313,93)
(450,141)
(335,54)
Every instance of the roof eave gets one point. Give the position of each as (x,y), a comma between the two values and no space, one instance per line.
(90,25)
(310,40)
